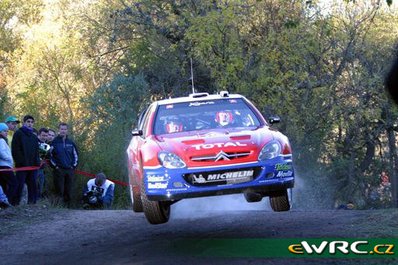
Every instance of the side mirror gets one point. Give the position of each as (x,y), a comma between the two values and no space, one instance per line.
(136,132)
(274,119)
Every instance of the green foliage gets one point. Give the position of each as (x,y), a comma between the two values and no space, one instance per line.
(320,70)
(114,108)
(3,102)
(12,14)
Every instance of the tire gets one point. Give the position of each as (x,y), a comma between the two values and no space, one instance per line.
(280,201)
(136,200)
(290,195)
(253,196)
(156,212)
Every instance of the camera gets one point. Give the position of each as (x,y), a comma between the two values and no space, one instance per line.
(43,147)
(93,198)
(44,150)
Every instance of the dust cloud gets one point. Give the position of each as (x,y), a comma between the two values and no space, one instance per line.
(215,205)
(312,190)
(306,194)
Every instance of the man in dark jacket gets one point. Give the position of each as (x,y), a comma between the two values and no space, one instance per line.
(25,151)
(64,158)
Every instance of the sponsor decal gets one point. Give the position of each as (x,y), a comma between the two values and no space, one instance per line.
(157,185)
(341,246)
(196,104)
(155,178)
(235,175)
(210,146)
(198,179)
(282,174)
(231,175)
(177,189)
(283,167)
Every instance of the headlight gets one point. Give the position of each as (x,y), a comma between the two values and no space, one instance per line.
(270,150)
(170,160)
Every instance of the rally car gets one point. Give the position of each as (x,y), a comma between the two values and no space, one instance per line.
(205,145)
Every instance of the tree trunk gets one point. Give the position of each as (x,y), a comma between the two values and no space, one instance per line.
(393,165)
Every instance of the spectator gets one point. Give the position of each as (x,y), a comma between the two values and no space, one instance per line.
(25,151)
(43,138)
(43,153)
(51,136)
(12,123)
(391,80)
(99,192)
(384,189)
(64,159)
(385,179)
(3,200)
(8,181)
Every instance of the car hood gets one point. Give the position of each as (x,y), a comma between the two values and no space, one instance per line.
(216,147)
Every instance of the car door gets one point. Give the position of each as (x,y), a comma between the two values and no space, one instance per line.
(135,146)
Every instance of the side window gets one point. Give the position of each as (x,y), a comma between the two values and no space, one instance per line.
(141,118)
(143,125)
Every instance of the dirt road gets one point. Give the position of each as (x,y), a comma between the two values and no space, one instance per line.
(123,237)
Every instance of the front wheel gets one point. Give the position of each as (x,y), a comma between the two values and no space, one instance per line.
(156,212)
(136,200)
(280,201)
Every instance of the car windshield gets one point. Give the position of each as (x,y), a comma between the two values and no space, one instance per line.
(201,115)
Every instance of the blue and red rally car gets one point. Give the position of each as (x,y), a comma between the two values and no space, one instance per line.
(205,145)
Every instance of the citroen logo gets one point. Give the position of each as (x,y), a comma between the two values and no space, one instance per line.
(222,156)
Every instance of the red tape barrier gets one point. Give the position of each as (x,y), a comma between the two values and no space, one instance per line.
(76,171)
(19,169)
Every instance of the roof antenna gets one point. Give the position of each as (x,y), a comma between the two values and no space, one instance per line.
(193,87)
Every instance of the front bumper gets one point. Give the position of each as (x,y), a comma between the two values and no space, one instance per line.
(163,184)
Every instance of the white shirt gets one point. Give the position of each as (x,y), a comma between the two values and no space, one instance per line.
(5,154)
(91,185)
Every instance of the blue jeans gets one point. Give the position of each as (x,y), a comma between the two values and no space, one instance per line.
(41,180)
(9,183)
(3,197)
(63,183)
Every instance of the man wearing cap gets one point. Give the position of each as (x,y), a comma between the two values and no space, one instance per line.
(12,123)
(25,151)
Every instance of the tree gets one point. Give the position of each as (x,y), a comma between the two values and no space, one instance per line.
(321,70)
(13,16)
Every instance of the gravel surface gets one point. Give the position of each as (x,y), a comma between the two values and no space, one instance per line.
(42,235)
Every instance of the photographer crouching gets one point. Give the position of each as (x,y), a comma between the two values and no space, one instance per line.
(98,193)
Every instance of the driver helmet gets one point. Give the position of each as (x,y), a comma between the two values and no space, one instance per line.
(224,118)
(173,126)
